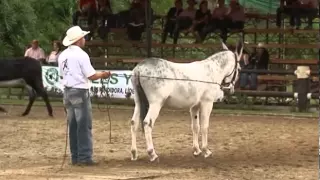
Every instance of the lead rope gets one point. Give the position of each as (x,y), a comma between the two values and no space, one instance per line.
(66,143)
(105,90)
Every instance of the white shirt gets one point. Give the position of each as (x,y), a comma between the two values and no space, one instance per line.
(35,53)
(53,57)
(75,68)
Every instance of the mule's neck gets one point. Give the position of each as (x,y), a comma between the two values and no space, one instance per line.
(220,65)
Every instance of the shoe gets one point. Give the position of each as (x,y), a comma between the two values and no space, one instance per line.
(87,163)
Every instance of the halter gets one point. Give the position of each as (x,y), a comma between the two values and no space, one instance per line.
(233,71)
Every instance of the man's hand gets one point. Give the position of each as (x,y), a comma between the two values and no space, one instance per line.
(99,75)
(105,74)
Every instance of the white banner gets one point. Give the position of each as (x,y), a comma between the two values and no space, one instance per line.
(118,84)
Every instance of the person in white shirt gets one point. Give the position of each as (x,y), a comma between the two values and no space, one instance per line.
(35,51)
(76,72)
(52,59)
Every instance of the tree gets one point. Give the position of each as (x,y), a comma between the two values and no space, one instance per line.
(20,22)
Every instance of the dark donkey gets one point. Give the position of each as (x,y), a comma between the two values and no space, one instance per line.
(25,72)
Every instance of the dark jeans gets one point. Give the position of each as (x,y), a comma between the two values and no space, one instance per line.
(307,12)
(182,24)
(135,32)
(91,13)
(245,77)
(212,26)
(168,28)
(230,25)
(106,21)
(287,11)
(79,114)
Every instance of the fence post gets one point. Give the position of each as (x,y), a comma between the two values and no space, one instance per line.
(302,87)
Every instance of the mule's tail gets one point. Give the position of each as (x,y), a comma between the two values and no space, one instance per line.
(142,99)
(239,49)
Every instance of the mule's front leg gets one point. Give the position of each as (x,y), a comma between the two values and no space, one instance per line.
(148,124)
(134,129)
(205,111)
(194,113)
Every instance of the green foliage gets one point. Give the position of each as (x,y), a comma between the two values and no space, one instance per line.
(23,21)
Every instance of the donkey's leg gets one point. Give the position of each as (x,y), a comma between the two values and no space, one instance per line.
(205,111)
(38,87)
(2,109)
(32,97)
(148,124)
(134,129)
(194,113)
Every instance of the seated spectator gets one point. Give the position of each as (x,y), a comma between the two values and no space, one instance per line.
(308,8)
(35,51)
(137,17)
(217,20)
(106,18)
(234,19)
(201,20)
(185,20)
(52,59)
(287,7)
(85,8)
(171,19)
(259,59)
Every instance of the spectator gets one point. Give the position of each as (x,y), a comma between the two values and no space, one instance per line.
(287,7)
(217,19)
(136,24)
(202,17)
(86,8)
(308,8)
(35,51)
(106,18)
(185,20)
(171,19)
(259,59)
(52,59)
(235,19)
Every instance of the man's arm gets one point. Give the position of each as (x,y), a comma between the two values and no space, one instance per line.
(26,54)
(90,72)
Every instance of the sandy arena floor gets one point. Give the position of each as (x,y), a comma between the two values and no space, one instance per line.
(244,147)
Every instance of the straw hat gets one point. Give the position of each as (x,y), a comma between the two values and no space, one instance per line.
(73,35)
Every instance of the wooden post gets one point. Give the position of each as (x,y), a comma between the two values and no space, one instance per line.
(302,87)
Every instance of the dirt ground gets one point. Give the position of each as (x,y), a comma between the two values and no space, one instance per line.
(244,147)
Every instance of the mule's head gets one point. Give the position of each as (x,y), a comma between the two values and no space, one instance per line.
(234,68)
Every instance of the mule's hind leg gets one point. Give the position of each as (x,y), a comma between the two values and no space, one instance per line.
(3,110)
(134,129)
(205,111)
(32,97)
(148,124)
(38,87)
(194,114)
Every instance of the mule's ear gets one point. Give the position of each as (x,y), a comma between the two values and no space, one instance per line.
(239,49)
(224,46)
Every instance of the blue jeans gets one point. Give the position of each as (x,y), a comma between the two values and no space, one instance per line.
(79,115)
(245,77)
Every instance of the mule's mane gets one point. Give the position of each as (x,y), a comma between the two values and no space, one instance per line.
(219,58)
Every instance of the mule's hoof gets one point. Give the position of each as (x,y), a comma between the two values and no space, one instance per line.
(155,158)
(134,155)
(207,154)
(197,154)
(24,114)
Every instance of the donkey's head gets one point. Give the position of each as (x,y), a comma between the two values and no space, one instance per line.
(234,68)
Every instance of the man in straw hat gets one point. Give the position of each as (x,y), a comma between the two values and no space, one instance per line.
(76,71)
